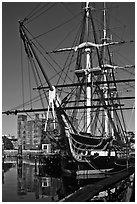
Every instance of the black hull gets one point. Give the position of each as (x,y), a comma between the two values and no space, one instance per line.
(97,168)
(101,166)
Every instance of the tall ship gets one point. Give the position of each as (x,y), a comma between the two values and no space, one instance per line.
(81,92)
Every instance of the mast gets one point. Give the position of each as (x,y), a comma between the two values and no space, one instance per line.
(29,50)
(105,87)
(88,65)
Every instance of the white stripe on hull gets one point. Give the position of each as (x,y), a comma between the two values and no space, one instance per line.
(102,153)
(94,171)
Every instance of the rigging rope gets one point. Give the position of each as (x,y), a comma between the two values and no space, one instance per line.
(131,115)
(68,67)
(57,73)
(30,85)
(56,27)
(34,99)
(48,55)
(68,35)
(22,72)
(30,57)
(66,7)
(40,14)
(34,66)
(32,11)
(117,94)
(120,55)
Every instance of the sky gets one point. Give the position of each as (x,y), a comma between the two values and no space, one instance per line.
(124,14)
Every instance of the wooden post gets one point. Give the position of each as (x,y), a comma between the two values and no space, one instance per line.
(19,151)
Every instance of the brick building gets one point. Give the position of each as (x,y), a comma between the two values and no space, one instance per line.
(31,133)
(21,130)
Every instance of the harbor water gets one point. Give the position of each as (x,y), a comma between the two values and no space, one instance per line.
(25,182)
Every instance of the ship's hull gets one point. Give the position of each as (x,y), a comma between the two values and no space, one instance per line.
(99,167)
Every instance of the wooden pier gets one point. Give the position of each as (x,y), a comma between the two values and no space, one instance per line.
(88,192)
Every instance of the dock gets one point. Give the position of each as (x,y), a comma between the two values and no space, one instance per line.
(86,193)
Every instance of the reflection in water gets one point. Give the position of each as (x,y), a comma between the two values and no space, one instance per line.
(32,178)
(5,168)
(41,184)
(34,184)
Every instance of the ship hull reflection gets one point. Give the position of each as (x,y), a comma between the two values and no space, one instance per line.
(36,183)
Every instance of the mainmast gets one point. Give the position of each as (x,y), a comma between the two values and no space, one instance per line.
(88,66)
(105,88)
